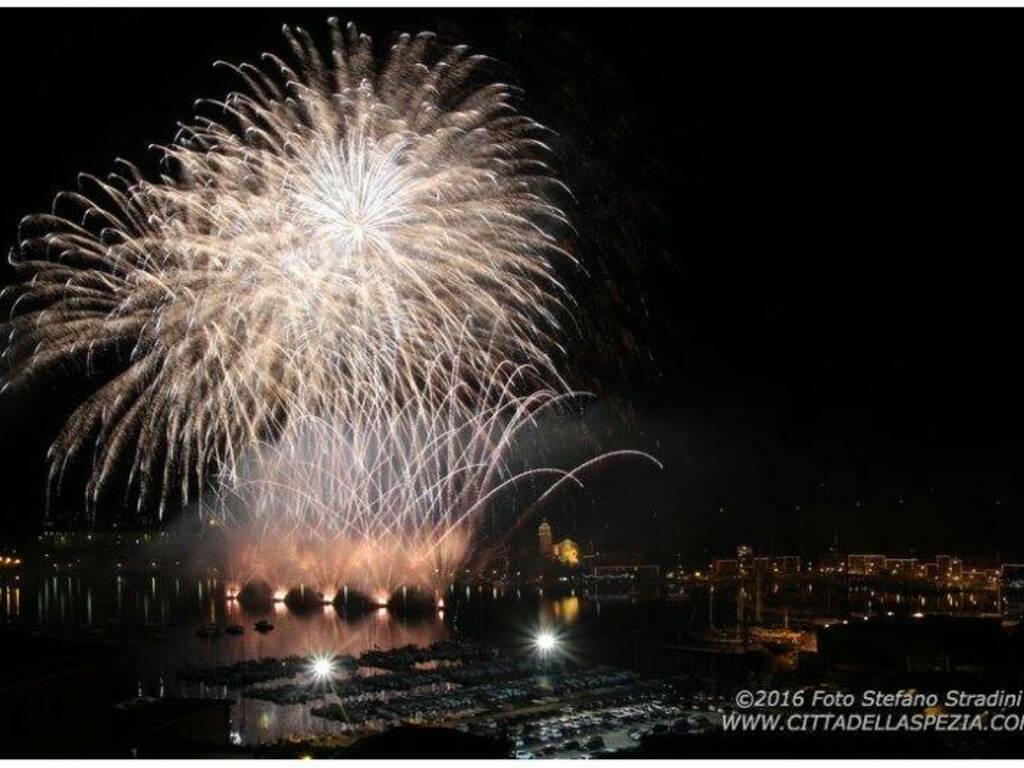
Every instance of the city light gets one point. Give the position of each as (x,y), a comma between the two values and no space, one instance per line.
(546,642)
(322,667)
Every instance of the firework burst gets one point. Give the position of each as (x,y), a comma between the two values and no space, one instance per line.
(339,230)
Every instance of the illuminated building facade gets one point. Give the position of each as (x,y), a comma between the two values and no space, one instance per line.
(831,562)
(784,565)
(901,567)
(865,565)
(567,552)
(949,567)
(544,538)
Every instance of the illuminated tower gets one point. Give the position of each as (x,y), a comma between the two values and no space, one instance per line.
(544,537)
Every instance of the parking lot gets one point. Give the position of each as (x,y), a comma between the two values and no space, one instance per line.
(603,724)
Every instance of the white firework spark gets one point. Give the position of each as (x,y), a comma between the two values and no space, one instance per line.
(341,229)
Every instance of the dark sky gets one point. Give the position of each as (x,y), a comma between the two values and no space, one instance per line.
(802,228)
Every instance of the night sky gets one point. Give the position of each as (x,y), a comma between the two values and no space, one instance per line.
(801,228)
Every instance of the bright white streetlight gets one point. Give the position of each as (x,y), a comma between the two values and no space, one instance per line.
(323,667)
(545,642)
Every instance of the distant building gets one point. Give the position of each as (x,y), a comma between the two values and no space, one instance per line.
(865,565)
(949,567)
(784,565)
(724,568)
(567,552)
(901,567)
(544,538)
(747,565)
(831,562)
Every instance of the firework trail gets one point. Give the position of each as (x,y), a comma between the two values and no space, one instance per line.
(339,227)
